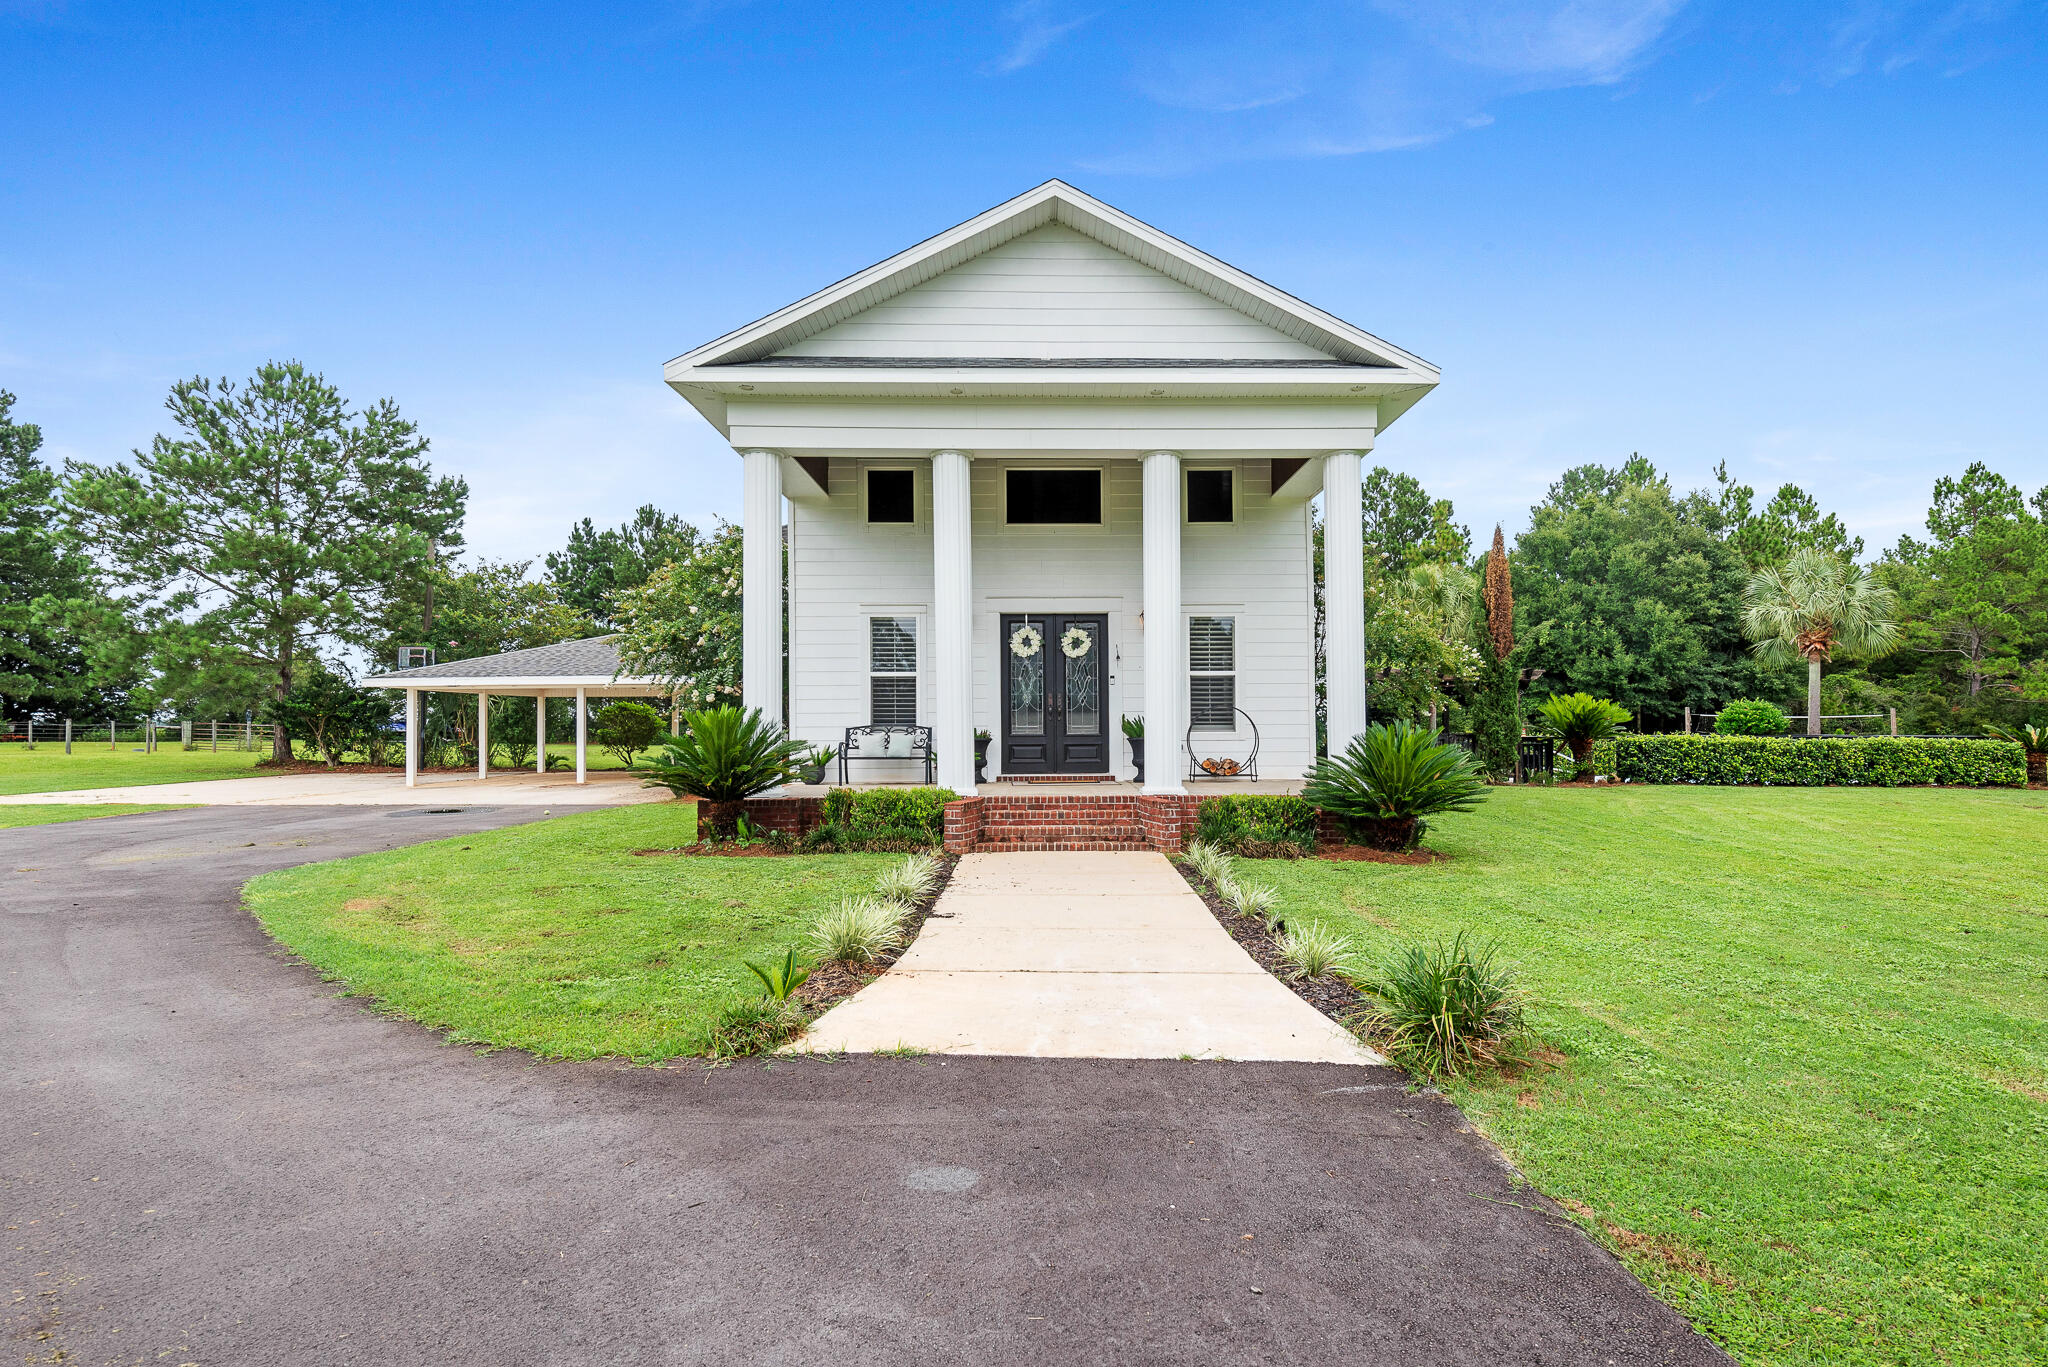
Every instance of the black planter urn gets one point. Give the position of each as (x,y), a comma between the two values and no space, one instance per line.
(1137,755)
(981,759)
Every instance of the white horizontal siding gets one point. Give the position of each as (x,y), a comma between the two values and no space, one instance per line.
(1049,294)
(1257,570)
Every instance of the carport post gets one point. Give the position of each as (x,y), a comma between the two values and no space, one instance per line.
(67,735)
(483,735)
(540,733)
(675,713)
(582,728)
(412,738)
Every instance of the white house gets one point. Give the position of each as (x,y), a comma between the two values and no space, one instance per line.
(1046,469)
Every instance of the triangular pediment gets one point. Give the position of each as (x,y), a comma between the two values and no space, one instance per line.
(1053,275)
(1054,293)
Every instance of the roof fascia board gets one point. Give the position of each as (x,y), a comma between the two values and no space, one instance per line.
(1053,201)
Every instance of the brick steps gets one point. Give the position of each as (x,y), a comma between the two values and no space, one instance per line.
(1058,821)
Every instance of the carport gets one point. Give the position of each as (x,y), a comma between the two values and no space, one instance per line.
(581,670)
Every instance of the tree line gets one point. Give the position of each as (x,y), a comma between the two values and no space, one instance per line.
(276,540)
(275,536)
(1624,589)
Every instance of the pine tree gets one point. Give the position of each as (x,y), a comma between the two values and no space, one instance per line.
(40,670)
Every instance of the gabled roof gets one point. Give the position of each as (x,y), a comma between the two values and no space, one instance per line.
(1347,358)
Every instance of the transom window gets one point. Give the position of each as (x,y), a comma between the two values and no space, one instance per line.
(1211,496)
(892,671)
(892,496)
(1212,673)
(1052,498)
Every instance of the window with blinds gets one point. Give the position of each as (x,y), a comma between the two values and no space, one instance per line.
(892,671)
(1212,673)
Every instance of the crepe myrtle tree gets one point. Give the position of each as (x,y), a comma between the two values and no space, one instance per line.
(1814,609)
(275,519)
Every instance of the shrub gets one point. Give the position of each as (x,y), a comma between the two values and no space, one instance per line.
(867,813)
(2033,743)
(1786,761)
(1389,780)
(1751,717)
(1443,1008)
(1601,761)
(911,881)
(859,930)
(1211,863)
(1250,899)
(1258,826)
(1313,950)
(753,1025)
(724,757)
(1579,720)
(780,977)
(627,728)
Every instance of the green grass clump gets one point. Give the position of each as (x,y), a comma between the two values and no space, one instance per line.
(1803,1038)
(555,937)
(859,930)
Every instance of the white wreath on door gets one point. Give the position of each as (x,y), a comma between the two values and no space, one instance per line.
(1076,643)
(1026,641)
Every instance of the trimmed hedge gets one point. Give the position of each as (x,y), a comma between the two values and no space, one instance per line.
(1866,761)
(1252,823)
(867,813)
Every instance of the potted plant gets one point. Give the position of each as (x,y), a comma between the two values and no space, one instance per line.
(816,762)
(981,743)
(2033,740)
(724,757)
(1134,732)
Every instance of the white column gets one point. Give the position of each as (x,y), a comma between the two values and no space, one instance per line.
(540,733)
(953,620)
(483,735)
(761,584)
(1166,652)
(412,737)
(582,730)
(1343,598)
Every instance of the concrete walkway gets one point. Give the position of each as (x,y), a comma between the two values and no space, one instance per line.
(512,789)
(1079,956)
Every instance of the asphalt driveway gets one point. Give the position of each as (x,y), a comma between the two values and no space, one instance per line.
(207,1157)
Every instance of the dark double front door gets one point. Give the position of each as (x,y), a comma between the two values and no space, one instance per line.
(1055,693)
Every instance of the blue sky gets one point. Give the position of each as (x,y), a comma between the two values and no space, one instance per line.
(1811,240)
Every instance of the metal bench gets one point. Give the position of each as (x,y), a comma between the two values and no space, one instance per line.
(917,745)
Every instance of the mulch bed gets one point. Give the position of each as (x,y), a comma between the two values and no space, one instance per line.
(1422,854)
(1328,994)
(725,849)
(832,981)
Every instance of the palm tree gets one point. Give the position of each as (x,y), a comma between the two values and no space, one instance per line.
(1818,608)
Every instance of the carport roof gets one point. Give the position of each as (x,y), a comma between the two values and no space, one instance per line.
(590,663)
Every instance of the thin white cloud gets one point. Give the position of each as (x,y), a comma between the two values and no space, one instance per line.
(1036,32)
(1577,42)
(1889,36)
(1281,80)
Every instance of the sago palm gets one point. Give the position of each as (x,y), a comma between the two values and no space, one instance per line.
(1580,720)
(2032,739)
(1818,608)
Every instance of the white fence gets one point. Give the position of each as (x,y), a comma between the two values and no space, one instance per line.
(141,733)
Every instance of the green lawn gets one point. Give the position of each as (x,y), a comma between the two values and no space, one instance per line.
(1807,1046)
(47,769)
(554,937)
(43,814)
